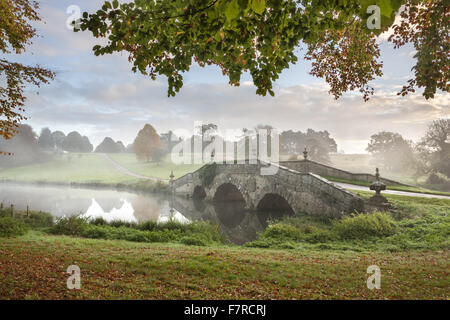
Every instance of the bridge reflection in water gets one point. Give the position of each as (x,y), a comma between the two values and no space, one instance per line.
(239,224)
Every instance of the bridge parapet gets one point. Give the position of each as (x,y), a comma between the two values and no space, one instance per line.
(306,165)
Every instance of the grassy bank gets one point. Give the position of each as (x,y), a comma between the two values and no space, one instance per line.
(390,187)
(196,233)
(34,267)
(17,223)
(160,170)
(411,223)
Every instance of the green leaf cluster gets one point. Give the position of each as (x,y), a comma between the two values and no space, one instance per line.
(164,38)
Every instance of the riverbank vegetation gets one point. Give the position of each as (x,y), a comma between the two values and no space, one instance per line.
(411,223)
(196,233)
(17,223)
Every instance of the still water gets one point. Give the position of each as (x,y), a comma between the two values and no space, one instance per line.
(237,223)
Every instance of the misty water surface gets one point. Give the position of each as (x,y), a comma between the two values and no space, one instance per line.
(237,223)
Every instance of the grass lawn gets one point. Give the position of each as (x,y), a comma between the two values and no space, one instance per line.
(420,204)
(86,168)
(150,169)
(390,187)
(34,267)
(92,168)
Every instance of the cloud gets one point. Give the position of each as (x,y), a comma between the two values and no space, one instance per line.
(120,110)
(100,96)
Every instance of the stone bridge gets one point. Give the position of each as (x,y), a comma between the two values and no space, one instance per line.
(287,189)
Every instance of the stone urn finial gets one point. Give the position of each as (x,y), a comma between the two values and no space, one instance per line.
(305,154)
(377,186)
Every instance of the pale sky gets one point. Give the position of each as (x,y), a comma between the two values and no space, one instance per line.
(101,96)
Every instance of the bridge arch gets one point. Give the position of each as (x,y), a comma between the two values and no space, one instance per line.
(228,192)
(274,202)
(229,205)
(273,206)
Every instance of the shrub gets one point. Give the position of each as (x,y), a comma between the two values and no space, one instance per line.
(172,225)
(210,231)
(363,226)
(320,236)
(37,220)
(95,232)
(149,225)
(282,232)
(262,243)
(194,241)
(98,221)
(71,226)
(120,223)
(10,227)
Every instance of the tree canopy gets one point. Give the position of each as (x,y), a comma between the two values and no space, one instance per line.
(46,140)
(317,143)
(74,142)
(23,147)
(108,145)
(165,37)
(16,33)
(146,143)
(434,148)
(391,151)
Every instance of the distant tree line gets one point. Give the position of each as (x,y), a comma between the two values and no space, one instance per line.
(22,149)
(108,145)
(318,144)
(429,156)
(27,147)
(58,141)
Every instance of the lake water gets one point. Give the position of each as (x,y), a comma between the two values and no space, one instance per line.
(237,223)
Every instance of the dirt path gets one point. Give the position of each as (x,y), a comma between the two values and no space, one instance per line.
(400,193)
(128,172)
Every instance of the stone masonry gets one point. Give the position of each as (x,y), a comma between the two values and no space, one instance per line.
(305,192)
